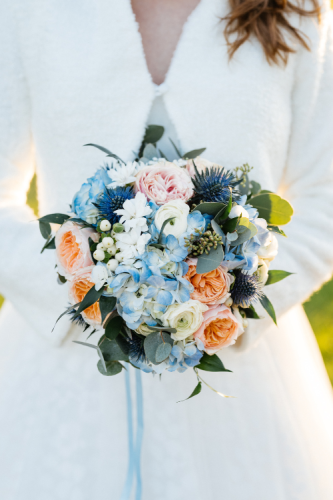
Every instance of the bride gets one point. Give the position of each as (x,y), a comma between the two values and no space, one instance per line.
(250,80)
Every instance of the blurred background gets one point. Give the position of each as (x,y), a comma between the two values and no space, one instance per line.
(319,308)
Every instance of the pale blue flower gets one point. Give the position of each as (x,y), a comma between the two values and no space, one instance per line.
(173,250)
(184,355)
(82,204)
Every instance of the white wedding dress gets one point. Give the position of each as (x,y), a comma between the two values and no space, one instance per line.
(64,432)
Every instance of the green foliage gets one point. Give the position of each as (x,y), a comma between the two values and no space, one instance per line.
(195,392)
(108,153)
(158,346)
(190,155)
(274,209)
(207,263)
(114,327)
(268,306)
(275,276)
(211,364)
(106,305)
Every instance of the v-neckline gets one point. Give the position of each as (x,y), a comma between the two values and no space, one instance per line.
(177,48)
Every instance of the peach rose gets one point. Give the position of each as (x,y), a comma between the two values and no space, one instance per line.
(201,165)
(72,248)
(210,288)
(163,182)
(79,285)
(220,328)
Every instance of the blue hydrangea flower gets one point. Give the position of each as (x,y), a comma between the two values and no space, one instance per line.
(83,201)
(160,290)
(173,250)
(195,222)
(184,356)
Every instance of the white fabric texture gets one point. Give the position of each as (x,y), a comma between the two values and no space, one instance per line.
(73,73)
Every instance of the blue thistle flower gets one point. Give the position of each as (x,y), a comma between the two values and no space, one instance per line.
(136,350)
(247,289)
(79,320)
(111,200)
(215,184)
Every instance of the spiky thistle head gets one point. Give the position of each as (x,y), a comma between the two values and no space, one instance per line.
(215,184)
(79,320)
(247,289)
(111,200)
(136,350)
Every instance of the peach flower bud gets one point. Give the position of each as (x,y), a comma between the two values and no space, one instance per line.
(79,286)
(220,328)
(209,288)
(163,182)
(72,248)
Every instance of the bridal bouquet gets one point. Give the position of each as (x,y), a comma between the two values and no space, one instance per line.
(166,260)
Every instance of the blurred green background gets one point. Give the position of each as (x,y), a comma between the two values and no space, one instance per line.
(319,308)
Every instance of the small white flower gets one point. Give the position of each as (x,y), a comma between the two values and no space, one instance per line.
(121,174)
(133,213)
(101,246)
(107,242)
(99,275)
(132,243)
(112,250)
(270,250)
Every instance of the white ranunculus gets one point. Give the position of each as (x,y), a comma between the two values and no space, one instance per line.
(262,271)
(270,250)
(177,209)
(186,318)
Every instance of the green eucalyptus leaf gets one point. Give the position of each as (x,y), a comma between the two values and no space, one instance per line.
(268,306)
(224,212)
(250,312)
(113,327)
(45,229)
(163,329)
(106,305)
(207,263)
(246,234)
(211,364)
(54,218)
(153,134)
(123,343)
(111,350)
(175,147)
(162,352)
(49,244)
(276,229)
(274,209)
(230,225)
(195,392)
(152,342)
(162,229)
(255,187)
(217,229)
(150,152)
(275,276)
(190,155)
(111,368)
(89,299)
(212,208)
(107,151)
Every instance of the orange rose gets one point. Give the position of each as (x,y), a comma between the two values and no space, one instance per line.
(79,286)
(209,288)
(220,328)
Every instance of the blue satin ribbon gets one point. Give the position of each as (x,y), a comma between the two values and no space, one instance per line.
(134,446)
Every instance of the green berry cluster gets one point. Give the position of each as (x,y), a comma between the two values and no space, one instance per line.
(202,242)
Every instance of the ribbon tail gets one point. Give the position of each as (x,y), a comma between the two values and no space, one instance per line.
(126,493)
(139,434)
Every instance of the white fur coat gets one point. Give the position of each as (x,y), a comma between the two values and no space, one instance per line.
(77,74)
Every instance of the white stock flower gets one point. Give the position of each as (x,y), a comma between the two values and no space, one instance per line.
(132,243)
(99,275)
(121,174)
(186,318)
(176,209)
(134,211)
(270,250)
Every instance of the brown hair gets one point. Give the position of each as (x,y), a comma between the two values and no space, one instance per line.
(268,21)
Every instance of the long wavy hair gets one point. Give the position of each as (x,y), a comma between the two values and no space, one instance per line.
(268,21)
